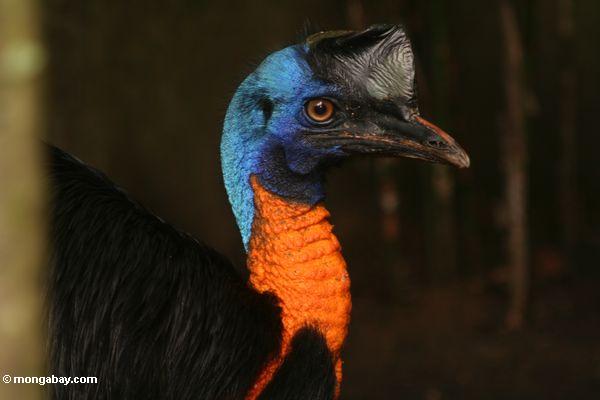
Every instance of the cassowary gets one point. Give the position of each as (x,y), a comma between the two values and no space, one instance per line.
(155,314)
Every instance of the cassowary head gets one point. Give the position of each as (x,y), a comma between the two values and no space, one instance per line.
(338,94)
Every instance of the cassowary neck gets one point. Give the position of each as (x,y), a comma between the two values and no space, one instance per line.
(294,254)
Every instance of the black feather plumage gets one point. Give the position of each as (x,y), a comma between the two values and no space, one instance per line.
(307,372)
(145,308)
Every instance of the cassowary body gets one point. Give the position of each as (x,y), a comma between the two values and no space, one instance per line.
(155,314)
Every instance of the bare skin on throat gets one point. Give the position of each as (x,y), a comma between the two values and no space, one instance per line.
(294,254)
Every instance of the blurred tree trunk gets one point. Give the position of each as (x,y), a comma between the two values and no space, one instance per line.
(515,166)
(442,236)
(567,128)
(21,199)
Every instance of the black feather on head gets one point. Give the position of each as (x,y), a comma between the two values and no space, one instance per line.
(377,63)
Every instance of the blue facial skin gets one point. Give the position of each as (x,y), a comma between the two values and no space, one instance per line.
(262,136)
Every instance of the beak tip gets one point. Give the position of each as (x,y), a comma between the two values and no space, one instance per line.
(454,154)
(458,157)
(465,161)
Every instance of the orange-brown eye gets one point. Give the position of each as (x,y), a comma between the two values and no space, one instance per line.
(319,110)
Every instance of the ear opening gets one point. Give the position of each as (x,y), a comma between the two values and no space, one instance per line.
(266,107)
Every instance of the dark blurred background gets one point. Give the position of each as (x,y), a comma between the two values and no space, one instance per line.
(480,283)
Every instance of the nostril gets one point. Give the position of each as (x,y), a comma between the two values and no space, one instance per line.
(438,144)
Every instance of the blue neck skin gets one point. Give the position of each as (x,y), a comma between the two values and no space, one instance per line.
(260,137)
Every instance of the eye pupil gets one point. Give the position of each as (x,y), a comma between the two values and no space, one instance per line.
(320,110)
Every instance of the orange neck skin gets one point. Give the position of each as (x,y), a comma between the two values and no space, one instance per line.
(294,254)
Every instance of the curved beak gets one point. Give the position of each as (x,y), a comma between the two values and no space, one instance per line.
(416,138)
